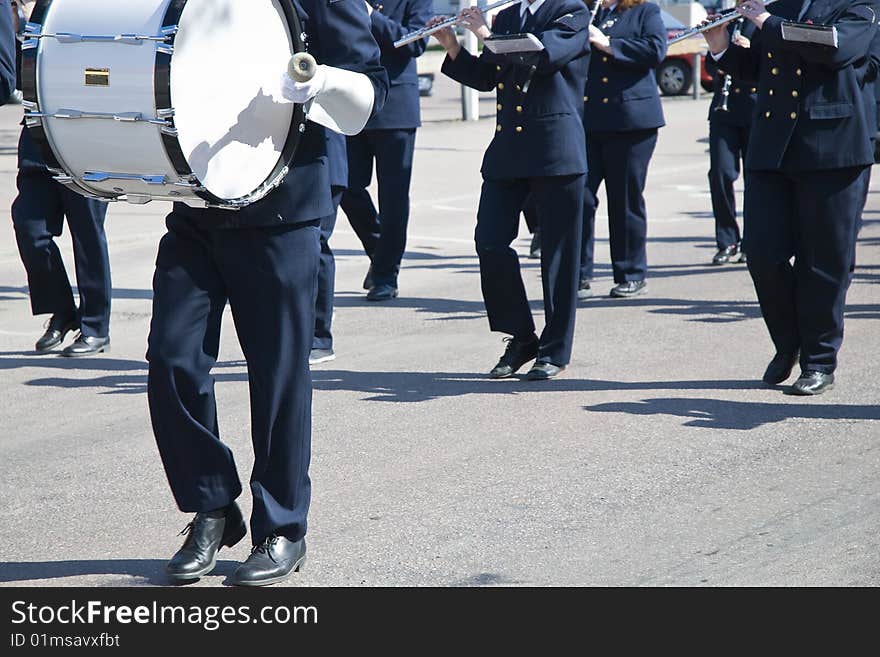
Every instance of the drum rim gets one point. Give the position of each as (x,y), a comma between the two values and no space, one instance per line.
(162,94)
(172,145)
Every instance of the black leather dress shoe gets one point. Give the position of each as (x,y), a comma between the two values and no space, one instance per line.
(56,330)
(271,562)
(544,370)
(813,383)
(779,369)
(584,290)
(382,293)
(368,279)
(628,289)
(725,255)
(535,247)
(205,535)
(519,351)
(86,346)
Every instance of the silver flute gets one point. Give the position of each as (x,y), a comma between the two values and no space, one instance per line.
(728,79)
(723,19)
(428,31)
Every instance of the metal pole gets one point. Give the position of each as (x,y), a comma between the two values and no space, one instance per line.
(697,74)
(470,99)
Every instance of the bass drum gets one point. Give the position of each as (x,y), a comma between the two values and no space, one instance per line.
(175,100)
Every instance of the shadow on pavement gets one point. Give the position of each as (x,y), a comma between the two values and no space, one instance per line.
(151,571)
(721,414)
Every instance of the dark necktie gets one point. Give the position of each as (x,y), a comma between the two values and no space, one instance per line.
(601,13)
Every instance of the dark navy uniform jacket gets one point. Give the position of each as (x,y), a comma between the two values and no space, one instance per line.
(337,157)
(7,52)
(812,111)
(539,130)
(873,76)
(621,92)
(338,35)
(391,20)
(742,98)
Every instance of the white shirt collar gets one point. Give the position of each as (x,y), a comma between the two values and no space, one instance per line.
(532,7)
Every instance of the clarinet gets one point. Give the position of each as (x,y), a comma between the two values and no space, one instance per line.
(725,89)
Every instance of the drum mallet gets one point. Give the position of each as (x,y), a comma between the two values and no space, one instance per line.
(302,67)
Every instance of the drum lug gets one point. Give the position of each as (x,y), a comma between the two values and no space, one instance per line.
(165,49)
(68,181)
(103,176)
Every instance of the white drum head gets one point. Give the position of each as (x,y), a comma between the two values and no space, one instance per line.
(226,92)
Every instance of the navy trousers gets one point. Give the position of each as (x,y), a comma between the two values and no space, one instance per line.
(323,338)
(558,204)
(620,159)
(382,233)
(812,217)
(38,217)
(269,276)
(727,148)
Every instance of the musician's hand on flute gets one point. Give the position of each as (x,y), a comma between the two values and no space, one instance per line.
(754,11)
(598,39)
(446,36)
(718,38)
(742,41)
(472,18)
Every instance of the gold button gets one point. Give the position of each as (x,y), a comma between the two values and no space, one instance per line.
(736,91)
(769,55)
(519,108)
(766,116)
(497,128)
(518,88)
(604,58)
(798,72)
(794,94)
(586,98)
(498,68)
(605,80)
(754,90)
(604,100)
(500,86)
(774,71)
(793,115)
(498,107)
(771,92)
(519,128)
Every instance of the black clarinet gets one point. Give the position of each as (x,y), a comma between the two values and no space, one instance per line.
(728,79)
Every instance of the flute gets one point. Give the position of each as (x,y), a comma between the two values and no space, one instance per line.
(428,31)
(723,19)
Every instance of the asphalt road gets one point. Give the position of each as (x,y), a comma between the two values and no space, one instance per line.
(658,459)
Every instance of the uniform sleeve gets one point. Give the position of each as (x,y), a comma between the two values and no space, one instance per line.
(471,71)
(856,28)
(344,41)
(7,52)
(646,50)
(567,38)
(387,30)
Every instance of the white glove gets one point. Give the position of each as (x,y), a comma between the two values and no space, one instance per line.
(303,92)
